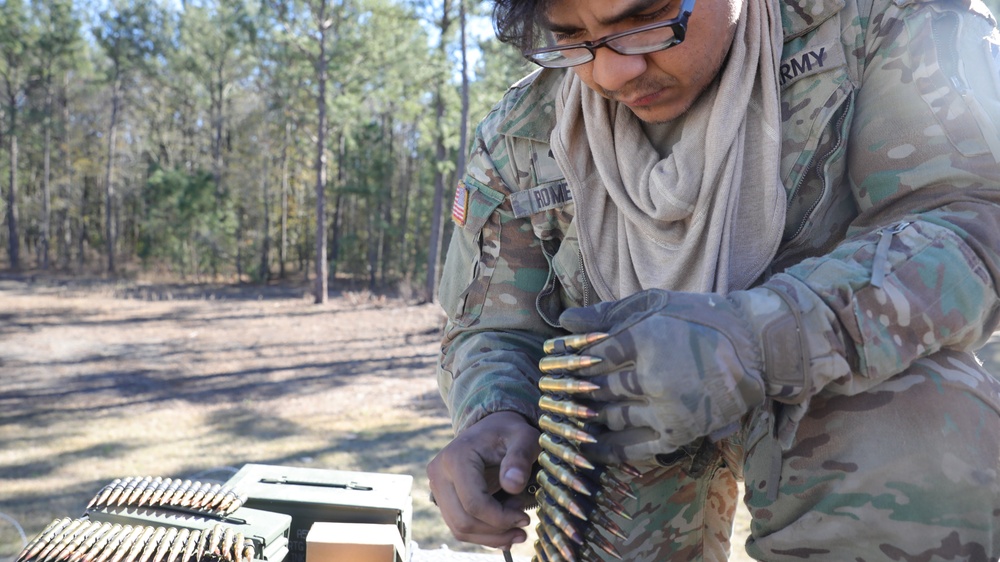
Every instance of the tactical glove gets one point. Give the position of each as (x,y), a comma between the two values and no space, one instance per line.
(674,366)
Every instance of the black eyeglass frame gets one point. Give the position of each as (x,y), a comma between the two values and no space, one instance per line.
(677,24)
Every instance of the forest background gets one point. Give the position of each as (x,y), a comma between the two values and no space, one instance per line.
(238,140)
(241,140)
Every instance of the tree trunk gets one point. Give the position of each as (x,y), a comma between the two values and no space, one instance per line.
(67,185)
(373,244)
(283,250)
(338,204)
(239,243)
(13,240)
(110,228)
(265,252)
(321,263)
(464,124)
(405,182)
(82,225)
(385,241)
(46,176)
(217,117)
(437,224)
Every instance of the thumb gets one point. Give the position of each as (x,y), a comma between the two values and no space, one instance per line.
(516,465)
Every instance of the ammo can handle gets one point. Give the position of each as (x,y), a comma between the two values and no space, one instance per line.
(291,482)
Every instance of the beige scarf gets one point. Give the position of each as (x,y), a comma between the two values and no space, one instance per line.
(709,215)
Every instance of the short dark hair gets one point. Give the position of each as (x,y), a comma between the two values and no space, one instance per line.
(516,22)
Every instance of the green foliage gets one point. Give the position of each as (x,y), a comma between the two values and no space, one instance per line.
(499,67)
(17,34)
(183,220)
(214,163)
(59,35)
(130,32)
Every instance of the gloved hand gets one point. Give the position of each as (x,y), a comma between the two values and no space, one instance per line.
(678,366)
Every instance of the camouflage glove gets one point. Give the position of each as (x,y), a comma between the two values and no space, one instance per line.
(674,366)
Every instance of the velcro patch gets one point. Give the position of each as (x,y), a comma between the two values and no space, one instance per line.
(542,198)
(460,206)
(813,59)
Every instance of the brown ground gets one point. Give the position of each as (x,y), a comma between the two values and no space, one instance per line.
(104,380)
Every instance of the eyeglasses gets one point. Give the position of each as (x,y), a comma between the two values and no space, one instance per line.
(639,41)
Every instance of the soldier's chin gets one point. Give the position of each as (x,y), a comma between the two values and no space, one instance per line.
(668,104)
(660,113)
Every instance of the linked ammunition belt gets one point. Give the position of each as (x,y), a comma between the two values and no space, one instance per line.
(575,497)
(174,494)
(83,540)
(94,540)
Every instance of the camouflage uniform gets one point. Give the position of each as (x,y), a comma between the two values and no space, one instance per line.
(891,161)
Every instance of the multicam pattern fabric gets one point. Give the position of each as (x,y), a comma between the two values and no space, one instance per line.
(891,160)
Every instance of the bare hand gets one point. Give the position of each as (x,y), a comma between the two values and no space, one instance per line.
(494,455)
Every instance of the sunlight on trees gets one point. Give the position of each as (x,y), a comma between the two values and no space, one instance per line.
(203,140)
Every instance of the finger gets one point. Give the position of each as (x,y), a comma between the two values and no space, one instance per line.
(455,475)
(616,447)
(619,416)
(516,467)
(626,384)
(469,528)
(486,514)
(602,453)
(502,540)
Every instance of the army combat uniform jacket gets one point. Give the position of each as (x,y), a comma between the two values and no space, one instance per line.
(891,163)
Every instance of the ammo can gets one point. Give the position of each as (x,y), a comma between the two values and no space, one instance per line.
(310,495)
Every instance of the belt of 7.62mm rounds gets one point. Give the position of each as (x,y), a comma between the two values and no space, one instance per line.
(83,540)
(575,497)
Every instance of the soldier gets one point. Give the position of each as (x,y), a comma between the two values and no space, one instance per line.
(780,222)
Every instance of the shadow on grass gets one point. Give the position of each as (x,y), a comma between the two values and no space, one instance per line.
(42,468)
(379,449)
(101,392)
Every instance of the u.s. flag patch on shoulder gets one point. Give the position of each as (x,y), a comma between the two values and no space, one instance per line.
(460,206)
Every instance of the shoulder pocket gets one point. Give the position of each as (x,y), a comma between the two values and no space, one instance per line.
(472,254)
(968,122)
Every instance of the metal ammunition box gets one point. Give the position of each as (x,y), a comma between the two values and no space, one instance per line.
(268,531)
(309,495)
